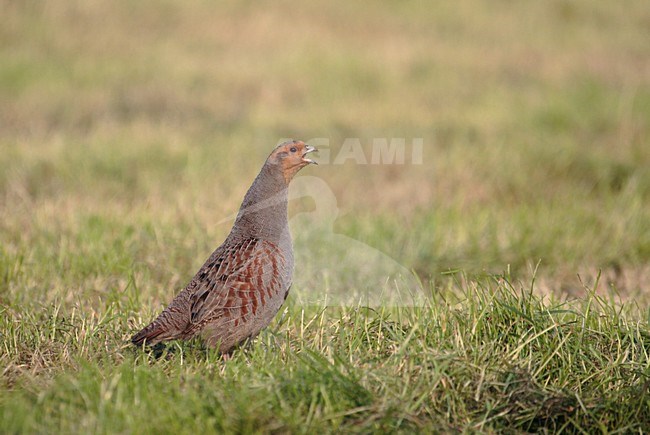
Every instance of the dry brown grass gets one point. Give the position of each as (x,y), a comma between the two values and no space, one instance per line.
(528,112)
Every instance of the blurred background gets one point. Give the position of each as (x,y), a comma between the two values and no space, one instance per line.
(130,129)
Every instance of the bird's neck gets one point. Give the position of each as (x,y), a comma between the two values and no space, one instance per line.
(263,213)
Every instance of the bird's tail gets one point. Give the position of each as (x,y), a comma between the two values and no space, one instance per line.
(169,325)
(152,334)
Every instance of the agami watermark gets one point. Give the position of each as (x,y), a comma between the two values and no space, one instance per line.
(382,151)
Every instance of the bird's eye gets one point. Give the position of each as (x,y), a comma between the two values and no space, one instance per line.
(293,149)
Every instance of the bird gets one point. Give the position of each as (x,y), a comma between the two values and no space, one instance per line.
(244,282)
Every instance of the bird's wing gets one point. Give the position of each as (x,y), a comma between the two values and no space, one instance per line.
(237,283)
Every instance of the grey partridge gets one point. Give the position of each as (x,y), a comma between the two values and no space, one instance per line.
(245,281)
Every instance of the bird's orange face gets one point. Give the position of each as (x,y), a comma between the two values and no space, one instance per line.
(291,156)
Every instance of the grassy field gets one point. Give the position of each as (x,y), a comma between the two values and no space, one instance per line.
(129,132)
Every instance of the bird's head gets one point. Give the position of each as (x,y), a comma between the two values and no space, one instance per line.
(290,157)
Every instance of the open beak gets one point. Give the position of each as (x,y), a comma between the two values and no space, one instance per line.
(309,149)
